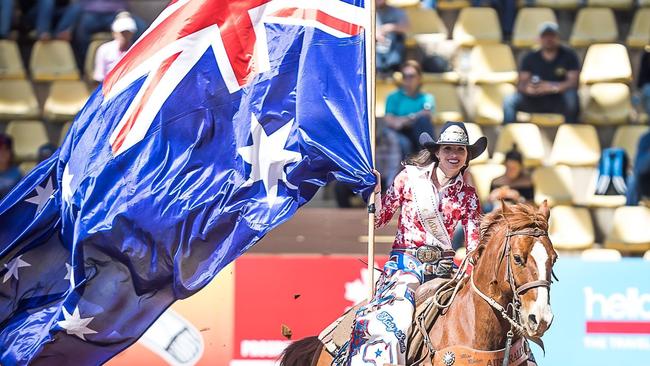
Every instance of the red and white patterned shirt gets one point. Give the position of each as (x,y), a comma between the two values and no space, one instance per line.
(458,202)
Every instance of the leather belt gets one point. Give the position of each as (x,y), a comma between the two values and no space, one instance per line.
(428,253)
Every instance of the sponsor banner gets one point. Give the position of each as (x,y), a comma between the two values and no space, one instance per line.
(602,314)
(302,293)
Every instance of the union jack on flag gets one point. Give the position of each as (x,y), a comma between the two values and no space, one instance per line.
(219,123)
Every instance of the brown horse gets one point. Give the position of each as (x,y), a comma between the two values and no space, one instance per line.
(513,267)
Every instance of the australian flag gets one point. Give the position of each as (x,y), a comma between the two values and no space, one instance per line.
(218,124)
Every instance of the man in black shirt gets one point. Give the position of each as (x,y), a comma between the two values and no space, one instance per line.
(548,80)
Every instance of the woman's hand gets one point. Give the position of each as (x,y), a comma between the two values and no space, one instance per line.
(378,177)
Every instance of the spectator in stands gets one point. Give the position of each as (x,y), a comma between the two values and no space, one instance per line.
(392,25)
(638,185)
(41,14)
(507,10)
(408,110)
(515,186)
(9,172)
(98,16)
(548,80)
(643,83)
(45,151)
(6,16)
(108,54)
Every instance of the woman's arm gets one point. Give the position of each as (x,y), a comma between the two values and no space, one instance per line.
(387,204)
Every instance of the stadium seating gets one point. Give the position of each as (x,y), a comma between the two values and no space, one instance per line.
(571,228)
(576,145)
(53,60)
(403,3)
(541,119)
(600,255)
(450,77)
(639,35)
(66,98)
(631,232)
(64,131)
(526,29)
(89,63)
(627,137)
(553,184)
(557,4)
(529,141)
(17,100)
(28,137)
(594,25)
(474,131)
(606,104)
(26,167)
(425,26)
(11,66)
(448,107)
(646,255)
(607,62)
(483,175)
(488,101)
(453,4)
(475,26)
(383,88)
(492,64)
(644,3)
(614,4)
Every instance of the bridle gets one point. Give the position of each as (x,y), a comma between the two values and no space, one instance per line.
(515,305)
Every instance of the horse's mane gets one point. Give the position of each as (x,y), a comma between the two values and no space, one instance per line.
(517,217)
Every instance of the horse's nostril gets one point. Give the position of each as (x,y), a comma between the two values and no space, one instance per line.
(532,319)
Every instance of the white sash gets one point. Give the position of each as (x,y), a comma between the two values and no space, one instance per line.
(426,202)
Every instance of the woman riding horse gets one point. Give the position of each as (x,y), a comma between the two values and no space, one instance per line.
(433,198)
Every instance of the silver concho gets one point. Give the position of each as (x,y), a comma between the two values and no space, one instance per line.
(449,358)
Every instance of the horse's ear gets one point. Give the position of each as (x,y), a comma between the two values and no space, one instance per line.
(544,210)
(504,207)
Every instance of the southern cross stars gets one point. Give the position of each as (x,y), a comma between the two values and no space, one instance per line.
(75,324)
(12,268)
(43,194)
(268,158)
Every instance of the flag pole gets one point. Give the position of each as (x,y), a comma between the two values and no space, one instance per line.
(370,42)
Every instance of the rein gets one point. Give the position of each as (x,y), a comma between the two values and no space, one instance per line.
(515,325)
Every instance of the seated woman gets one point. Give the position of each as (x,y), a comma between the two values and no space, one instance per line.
(515,185)
(408,110)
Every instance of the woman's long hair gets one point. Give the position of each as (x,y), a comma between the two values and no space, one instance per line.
(423,158)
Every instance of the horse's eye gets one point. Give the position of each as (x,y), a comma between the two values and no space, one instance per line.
(518,260)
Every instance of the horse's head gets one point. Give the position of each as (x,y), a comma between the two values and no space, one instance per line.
(516,242)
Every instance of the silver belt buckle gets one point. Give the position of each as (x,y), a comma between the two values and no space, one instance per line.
(428,253)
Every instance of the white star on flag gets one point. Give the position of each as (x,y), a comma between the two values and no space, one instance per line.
(66,181)
(12,268)
(268,158)
(43,194)
(75,324)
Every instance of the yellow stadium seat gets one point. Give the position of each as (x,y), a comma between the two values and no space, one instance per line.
(627,137)
(89,63)
(448,106)
(492,64)
(450,77)
(576,145)
(600,255)
(558,4)
(541,119)
(475,26)
(483,175)
(594,25)
(403,3)
(614,4)
(529,141)
(606,62)
(66,98)
(453,4)
(571,228)
(11,66)
(26,167)
(553,184)
(424,25)
(606,104)
(53,60)
(382,91)
(526,29)
(489,102)
(28,137)
(639,35)
(631,232)
(64,131)
(474,132)
(17,100)
(601,200)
